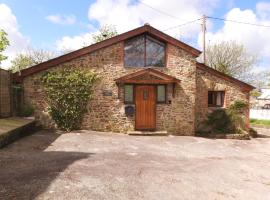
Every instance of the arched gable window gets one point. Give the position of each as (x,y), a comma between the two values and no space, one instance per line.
(144,51)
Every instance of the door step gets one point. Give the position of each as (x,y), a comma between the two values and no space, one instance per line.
(148,133)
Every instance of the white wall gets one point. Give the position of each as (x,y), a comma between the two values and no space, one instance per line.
(259,114)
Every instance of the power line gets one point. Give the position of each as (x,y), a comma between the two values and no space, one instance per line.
(239,22)
(157,10)
(187,22)
(177,26)
(160,11)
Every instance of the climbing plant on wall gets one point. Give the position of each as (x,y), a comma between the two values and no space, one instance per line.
(68,90)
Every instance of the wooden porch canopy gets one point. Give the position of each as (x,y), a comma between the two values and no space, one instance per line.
(147,76)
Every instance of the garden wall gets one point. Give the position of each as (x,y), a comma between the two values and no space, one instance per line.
(5,93)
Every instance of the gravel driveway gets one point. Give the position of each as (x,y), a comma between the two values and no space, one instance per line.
(91,165)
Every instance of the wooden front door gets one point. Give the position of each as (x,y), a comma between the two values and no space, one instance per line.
(145,100)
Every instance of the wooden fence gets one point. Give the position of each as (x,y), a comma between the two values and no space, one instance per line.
(5,93)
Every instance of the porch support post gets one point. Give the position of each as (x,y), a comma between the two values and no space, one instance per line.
(173,90)
(119,90)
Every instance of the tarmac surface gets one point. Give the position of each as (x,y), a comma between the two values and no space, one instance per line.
(94,165)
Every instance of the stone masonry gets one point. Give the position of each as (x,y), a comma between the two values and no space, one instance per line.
(207,82)
(106,113)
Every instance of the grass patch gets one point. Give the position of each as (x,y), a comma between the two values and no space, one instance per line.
(260,122)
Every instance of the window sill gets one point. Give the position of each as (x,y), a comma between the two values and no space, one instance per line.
(161,102)
(129,103)
(215,107)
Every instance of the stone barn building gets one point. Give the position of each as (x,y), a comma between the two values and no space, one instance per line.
(150,81)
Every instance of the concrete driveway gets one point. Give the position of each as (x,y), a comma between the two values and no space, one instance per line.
(92,165)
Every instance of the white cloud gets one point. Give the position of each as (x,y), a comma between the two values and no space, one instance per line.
(255,39)
(127,15)
(68,43)
(61,19)
(18,42)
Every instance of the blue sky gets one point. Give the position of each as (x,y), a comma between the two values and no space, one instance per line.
(31,16)
(58,25)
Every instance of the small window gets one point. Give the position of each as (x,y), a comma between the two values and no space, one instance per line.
(145,95)
(216,98)
(128,93)
(161,94)
(144,51)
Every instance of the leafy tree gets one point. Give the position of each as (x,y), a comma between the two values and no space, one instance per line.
(30,58)
(4,43)
(105,32)
(232,59)
(255,93)
(260,79)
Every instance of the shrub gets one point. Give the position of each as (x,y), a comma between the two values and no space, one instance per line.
(27,110)
(231,120)
(220,121)
(253,133)
(238,107)
(237,114)
(68,91)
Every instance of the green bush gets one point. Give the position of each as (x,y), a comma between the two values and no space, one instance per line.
(231,120)
(220,121)
(68,91)
(238,107)
(27,110)
(237,114)
(253,133)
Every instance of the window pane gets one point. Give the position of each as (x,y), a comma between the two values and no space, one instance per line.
(216,98)
(155,52)
(210,98)
(134,52)
(161,93)
(129,93)
(219,103)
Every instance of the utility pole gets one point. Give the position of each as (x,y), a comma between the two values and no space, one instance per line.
(204,31)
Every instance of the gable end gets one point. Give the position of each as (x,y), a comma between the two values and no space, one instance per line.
(108,42)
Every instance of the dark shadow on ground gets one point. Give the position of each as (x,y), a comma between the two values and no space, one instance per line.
(263,136)
(26,170)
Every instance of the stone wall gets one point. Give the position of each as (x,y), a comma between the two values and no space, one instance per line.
(106,113)
(209,82)
(5,93)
